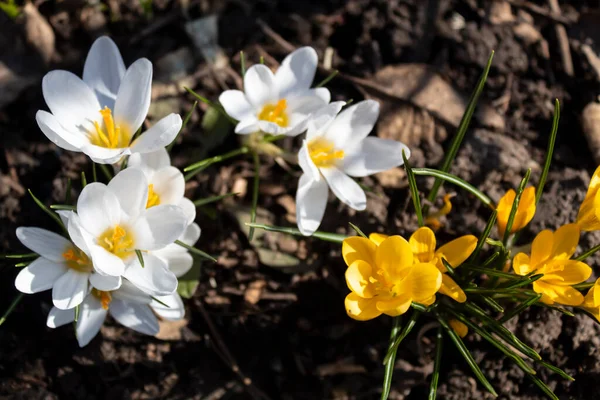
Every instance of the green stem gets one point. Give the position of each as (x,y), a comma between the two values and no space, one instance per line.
(389,367)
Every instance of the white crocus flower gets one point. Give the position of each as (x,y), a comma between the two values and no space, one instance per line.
(112,222)
(128,305)
(337,148)
(277,103)
(62,267)
(100,114)
(166,184)
(180,261)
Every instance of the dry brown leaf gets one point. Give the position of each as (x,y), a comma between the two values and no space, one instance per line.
(254,291)
(171,330)
(38,32)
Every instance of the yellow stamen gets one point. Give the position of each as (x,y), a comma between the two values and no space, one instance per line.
(323,153)
(77,260)
(275,113)
(153,197)
(433,220)
(104,297)
(117,241)
(113,135)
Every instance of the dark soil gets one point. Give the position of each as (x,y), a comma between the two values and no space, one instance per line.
(294,341)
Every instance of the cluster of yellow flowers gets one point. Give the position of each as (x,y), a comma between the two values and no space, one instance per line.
(386,274)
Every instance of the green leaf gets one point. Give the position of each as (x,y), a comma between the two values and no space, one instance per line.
(107,174)
(445,176)
(255,187)
(77,313)
(515,206)
(493,272)
(357,230)
(183,125)
(435,376)
(524,282)
(140,257)
(393,348)
(462,349)
(213,199)
(11,308)
(493,304)
(195,251)
(216,106)
(556,370)
(389,366)
(68,191)
(83,180)
(188,283)
(414,191)
(162,303)
(63,207)
(19,256)
(242,63)
(212,160)
(484,235)
(588,253)
(538,382)
(10,9)
(549,152)
(462,130)
(326,236)
(51,213)
(329,77)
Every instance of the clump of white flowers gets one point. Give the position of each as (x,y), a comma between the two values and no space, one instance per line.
(127,242)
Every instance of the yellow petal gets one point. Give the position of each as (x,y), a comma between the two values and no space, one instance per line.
(564,242)
(458,327)
(558,294)
(422,281)
(394,306)
(504,206)
(429,301)
(361,309)
(525,210)
(587,217)
(451,289)
(595,311)
(541,248)
(357,279)
(565,272)
(358,248)
(456,251)
(596,293)
(589,299)
(422,243)
(377,238)
(522,265)
(394,255)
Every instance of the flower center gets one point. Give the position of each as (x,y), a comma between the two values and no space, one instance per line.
(112,136)
(275,113)
(323,153)
(117,241)
(77,260)
(153,198)
(104,297)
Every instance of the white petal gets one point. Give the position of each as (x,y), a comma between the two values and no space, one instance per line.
(38,276)
(128,292)
(345,188)
(80,237)
(191,234)
(58,317)
(321,119)
(247,126)
(169,185)
(259,86)
(159,227)
(353,124)
(98,208)
(308,102)
(179,262)
(103,70)
(297,71)
(311,200)
(104,155)
(134,316)
(272,128)
(153,278)
(131,189)
(58,135)
(174,310)
(105,282)
(150,162)
(71,101)
(91,318)
(105,262)
(159,135)
(236,105)
(373,155)
(133,98)
(47,244)
(307,164)
(70,289)
(189,209)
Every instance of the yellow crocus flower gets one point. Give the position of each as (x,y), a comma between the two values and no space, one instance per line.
(591,302)
(525,210)
(458,327)
(423,244)
(589,211)
(550,255)
(384,279)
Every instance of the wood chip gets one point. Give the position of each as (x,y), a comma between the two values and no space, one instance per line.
(38,32)
(254,291)
(590,120)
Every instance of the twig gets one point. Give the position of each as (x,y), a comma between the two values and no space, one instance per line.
(227,357)
(563,40)
(541,11)
(287,46)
